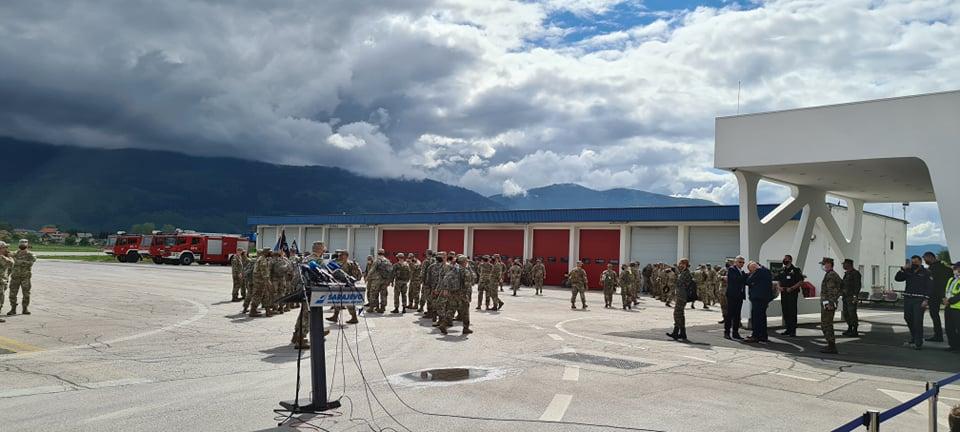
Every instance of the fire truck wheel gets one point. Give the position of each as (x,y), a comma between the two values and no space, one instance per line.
(133,257)
(186,259)
(121,258)
(157,260)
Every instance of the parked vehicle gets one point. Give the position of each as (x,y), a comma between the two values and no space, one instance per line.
(187,247)
(127,247)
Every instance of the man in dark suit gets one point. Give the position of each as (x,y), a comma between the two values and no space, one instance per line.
(736,293)
(760,282)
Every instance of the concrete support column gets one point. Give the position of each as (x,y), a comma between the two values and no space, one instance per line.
(750,241)
(432,238)
(943,175)
(325,235)
(350,239)
(300,237)
(468,241)
(624,244)
(259,237)
(378,237)
(527,242)
(683,242)
(801,239)
(574,247)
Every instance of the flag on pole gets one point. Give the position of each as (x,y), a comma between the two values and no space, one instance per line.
(294,248)
(282,243)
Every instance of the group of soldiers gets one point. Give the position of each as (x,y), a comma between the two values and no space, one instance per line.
(16,269)
(657,279)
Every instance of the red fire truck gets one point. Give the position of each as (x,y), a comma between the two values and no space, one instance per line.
(160,241)
(127,247)
(188,247)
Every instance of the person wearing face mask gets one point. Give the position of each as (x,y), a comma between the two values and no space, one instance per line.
(830,291)
(789,279)
(852,284)
(735,293)
(940,273)
(951,304)
(760,282)
(916,297)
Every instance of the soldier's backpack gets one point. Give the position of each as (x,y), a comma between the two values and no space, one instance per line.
(692,291)
(384,269)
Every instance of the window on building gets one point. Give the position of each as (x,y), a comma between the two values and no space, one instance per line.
(874,275)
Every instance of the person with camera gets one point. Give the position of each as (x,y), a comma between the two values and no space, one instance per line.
(916,298)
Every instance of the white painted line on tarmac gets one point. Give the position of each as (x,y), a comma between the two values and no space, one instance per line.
(567,350)
(511,319)
(699,359)
(555,337)
(557,408)
(69,387)
(536,327)
(922,408)
(560,324)
(793,376)
(571,373)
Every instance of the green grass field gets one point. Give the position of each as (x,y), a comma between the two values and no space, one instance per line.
(91,258)
(61,248)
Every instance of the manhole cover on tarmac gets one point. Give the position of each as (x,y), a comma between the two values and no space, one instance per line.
(451,376)
(610,362)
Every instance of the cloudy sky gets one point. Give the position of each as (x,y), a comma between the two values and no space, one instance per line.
(497,96)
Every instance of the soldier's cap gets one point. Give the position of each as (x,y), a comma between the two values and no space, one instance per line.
(461,257)
(486,257)
(400,255)
(265,250)
(3,244)
(496,255)
(381,251)
(24,241)
(429,251)
(826,260)
(339,251)
(633,264)
(848,261)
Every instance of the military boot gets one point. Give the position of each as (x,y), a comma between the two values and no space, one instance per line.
(255,313)
(301,344)
(25,311)
(466,330)
(830,349)
(13,309)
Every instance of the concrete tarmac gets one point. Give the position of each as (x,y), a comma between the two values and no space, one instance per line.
(144,347)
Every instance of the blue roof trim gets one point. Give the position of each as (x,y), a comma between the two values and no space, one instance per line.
(631,214)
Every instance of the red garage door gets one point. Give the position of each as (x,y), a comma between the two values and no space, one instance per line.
(507,243)
(450,240)
(406,241)
(597,248)
(552,246)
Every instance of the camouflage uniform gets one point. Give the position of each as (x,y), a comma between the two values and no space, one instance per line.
(6,266)
(278,279)
(248,265)
(578,285)
(516,273)
(485,277)
(493,290)
(525,275)
(647,275)
(670,282)
(681,284)
(634,290)
(20,278)
(608,279)
(538,273)
(378,279)
(415,281)
(722,290)
(830,291)
(261,285)
(425,287)
(401,281)
(236,265)
(455,296)
(710,293)
(700,278)
(351,268)
(433,282)
(501,270)
(626,279)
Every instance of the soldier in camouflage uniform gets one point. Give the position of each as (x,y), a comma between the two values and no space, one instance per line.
(671,281)
(538,273)
(236,265)
(441,303)
(710,293)
(378,280)
(626,280)
(261,283)
(248,264)
(401,282)
(515,273)
(6,266)
(415,273)
(429,259)
(609,282)
(485,277)
(682,285)
(578,285)
(302,327)
(351,268)
(700,278)
(501,270)
(722,288)
(278,276)
(493,291)
(525,277)
(830,291)
(634,292)
(647,275)
(20,277)
(430,282)
(455,295)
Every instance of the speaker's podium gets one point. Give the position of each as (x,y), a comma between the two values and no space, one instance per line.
(322,286)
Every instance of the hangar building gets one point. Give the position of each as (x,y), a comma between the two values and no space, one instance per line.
(705,234)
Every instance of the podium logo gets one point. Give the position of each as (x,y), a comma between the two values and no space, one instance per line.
(339,298)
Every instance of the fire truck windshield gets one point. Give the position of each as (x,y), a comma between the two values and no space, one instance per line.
(169,241)
(112,240)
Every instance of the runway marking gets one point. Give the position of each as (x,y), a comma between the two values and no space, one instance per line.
(536,327)
(571,373)
(567,349)
(560,324)
(798,347)
(16,346)
(557,408)
(555,337)
(793,376)
(202,311)
(68,387)
(699,359)
(511,319)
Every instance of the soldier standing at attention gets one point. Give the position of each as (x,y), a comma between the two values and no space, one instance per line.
(671,283)
(852,284)
(683,285)
(578,285)
(538,273)
(830,291)
(247,290)
(608,280)
(351,268)
(486,280)
(516,273)
(722,290)
(401,280)
(428,259)
(20,277)
(625,280)
(493,291)
(500,271)
(633,290)
(6,266)
(261,283)
(712,283)
(380,279)
(236,265)
(278,273)
(414,288)
(526,278)
(647,275)
(699,277)
(431,283)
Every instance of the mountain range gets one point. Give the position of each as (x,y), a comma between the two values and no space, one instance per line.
(102,190)
(568,195)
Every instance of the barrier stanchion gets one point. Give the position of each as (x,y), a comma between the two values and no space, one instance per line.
(872,420)
(932,404)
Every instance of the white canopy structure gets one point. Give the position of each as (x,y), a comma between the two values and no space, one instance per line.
(904,149)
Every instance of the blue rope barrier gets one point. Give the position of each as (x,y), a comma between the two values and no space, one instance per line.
(899,409)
